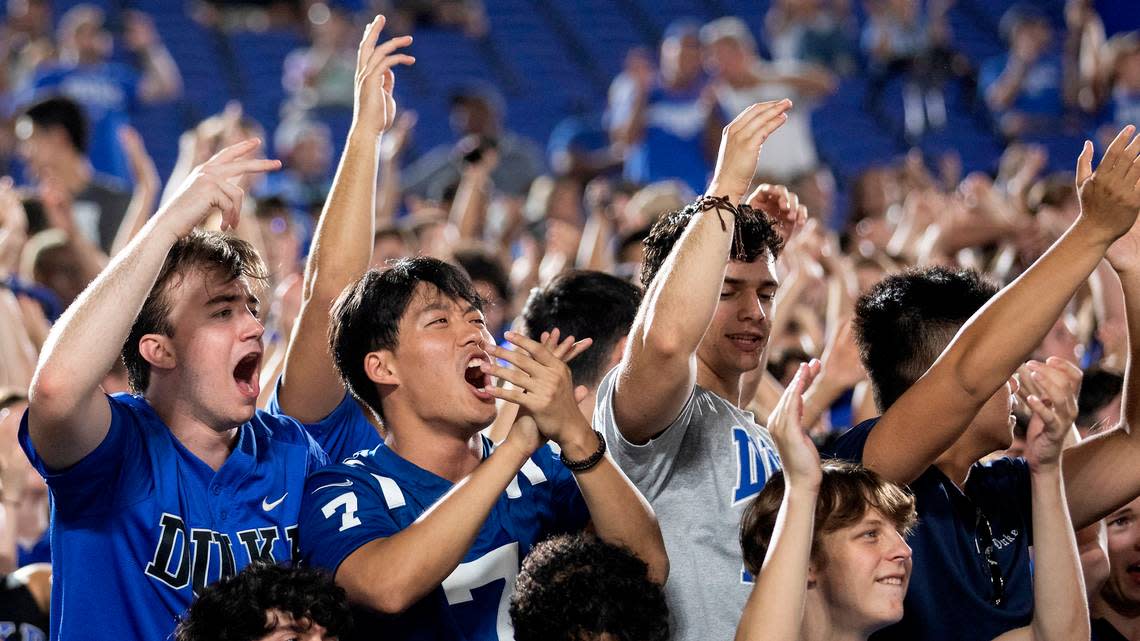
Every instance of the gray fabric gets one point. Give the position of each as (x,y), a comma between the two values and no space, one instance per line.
(694,477)
(99,210)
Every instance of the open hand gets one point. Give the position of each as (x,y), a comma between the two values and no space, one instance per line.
(798,455)
(1110,196)
(782,206)
(213,186)
(740,145)
(375,108)
(1050,391)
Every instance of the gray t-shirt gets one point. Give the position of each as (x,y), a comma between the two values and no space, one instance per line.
(699,475)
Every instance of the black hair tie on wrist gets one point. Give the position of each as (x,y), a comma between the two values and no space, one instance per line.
(589,461)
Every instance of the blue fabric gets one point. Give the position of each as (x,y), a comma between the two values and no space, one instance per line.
(950,584)
(140,525)
(39,552)
(108,93)
(673,146)
(376,494)
(344,432)
(1040,92)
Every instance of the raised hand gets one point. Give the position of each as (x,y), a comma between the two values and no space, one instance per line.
(375,108)
(13,226)
(540,384)
(798,455)
(1050,391)
(1110,196)
(212,186)
(740,145)
(782,206)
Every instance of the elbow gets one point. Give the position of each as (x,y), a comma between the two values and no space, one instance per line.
(658,564)
(383,596)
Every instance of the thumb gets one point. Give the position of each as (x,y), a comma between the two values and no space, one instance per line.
(1084,163)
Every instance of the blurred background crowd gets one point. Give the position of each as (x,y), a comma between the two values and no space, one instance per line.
(539,136)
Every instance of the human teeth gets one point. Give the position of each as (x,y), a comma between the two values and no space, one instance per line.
(475,362)
(891,581)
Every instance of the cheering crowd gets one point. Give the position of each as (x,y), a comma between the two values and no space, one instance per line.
(459,398)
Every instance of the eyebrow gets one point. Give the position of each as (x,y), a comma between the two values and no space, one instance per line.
(226,299)
(737,282)
(439,306)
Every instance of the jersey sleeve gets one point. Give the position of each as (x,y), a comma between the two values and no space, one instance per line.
(344,432)
(114,474)
(849,446)
(650,464)
(344,508)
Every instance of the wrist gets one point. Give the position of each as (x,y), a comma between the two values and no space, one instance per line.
(1093,234)
(731,189)
(805,490)
(515,451)
(580,443)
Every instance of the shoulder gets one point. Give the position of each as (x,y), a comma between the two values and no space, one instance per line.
(849,446)
(275,429)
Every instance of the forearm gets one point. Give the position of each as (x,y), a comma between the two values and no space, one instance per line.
(620,514)
(1004,91)
(138,211)
(161,79)
(1060,610)
(71,365)
(1130,404)
(775,609)
(469,209)
(342,242)
(387,191)
(393,573)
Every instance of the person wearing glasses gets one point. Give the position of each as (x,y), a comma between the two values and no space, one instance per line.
(829,543)
(940,347)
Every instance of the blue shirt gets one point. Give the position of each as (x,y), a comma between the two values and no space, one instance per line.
(377,494)
(141,525)
(950,583)
(108,93)
(344,432)
(1040,91)
(38,552)
(673,145)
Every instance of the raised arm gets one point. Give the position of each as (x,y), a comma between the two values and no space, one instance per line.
(1001,335)
(146,190)
(1101,473)
(544,390)
(1060,608)
(342,244)
(68,414)
(775,609)
(161,80)
(659,367)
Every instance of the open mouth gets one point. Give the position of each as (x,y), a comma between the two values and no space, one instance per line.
(891,580)
(1134,572)
(477,379)
(245,375)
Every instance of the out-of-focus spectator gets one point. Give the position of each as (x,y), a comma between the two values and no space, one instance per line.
(910,39)
(1122,104)
(1116,612)
(741,78)
(54,138)
(305,149)
(321,75)
(476,114)
(817,31)
(468,16)
(279,235)
(668,124)
(109,91)
(1023,87)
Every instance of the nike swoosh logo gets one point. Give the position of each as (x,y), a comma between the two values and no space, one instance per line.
(267,506)
(346,483)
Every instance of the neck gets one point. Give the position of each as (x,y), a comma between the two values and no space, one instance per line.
(1127,626)
(211,443)
(820,624)
(955,462)
(727,387)
(441,450)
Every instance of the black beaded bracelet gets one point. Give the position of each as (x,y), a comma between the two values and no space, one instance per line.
(589,461)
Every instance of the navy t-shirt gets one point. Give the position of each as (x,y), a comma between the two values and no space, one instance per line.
(951,591)
(1103,631)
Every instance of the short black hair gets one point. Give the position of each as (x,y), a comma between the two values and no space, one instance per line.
(481,264)
(201,250)
(904,322)
(60,111)
(234,608)
(584,304)
(575,587)
(752,237)
(366,316)
(1098,388)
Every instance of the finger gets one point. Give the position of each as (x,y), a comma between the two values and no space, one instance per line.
(520,358)
(235,151)
(1084,163)
(385,63)
(577,348)
(537,350)
(511,395)
(242,167)
(1066,367)
(759,195)
(368,40)
(766,121)
(555,335)
(1042,411)
(766,129)
(511,375)
(1116,148)
(749,113)
(387,47)
(580,393)
(236,195)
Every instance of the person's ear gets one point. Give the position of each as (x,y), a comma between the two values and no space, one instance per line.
(157,350)
(380,367)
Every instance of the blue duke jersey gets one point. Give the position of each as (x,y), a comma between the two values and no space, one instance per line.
(344,432)
(377,494)
(141,525)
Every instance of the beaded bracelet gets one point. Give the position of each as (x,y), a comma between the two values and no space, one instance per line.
(589,461)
